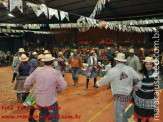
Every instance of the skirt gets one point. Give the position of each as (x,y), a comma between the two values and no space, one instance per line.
(19,86)
(143,105)
(31,99)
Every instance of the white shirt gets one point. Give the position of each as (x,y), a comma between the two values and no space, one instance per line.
(118,86)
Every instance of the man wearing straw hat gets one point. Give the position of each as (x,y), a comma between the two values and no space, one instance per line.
(47,79)
(33,62)
(121,80)
(133,60)
(76,64)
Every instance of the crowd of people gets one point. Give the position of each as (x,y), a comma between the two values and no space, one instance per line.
(44,72)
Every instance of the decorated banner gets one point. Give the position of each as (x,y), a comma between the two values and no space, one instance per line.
(53,12)
(4,2)
(64,15)
(16,3)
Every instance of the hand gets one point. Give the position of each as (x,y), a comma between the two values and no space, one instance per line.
(27,89)
(96,86)
(136,88)
(58,92)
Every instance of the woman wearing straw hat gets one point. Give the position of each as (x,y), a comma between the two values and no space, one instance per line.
(23,71)
(144,96)
(91,71)
(121,80)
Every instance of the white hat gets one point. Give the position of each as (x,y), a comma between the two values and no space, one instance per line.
(21,50)
(48,57)
(34,53)
(60,53)
(120,57)
(46,52)
(148,59)
(131,51)
(23,58)
(41,56)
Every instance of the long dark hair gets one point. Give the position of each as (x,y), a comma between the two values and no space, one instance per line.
(144,70)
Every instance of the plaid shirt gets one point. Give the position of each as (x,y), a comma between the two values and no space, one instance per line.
(122,98)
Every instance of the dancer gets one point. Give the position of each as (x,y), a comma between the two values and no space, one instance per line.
(23,71)
(145,94)
(91,71)
(46,79)
(121,80)
(76,64)
(31,99)
(16,62)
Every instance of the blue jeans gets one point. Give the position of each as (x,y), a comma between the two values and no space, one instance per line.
(51,113)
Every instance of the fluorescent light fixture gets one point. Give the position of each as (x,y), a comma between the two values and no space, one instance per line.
(10,15)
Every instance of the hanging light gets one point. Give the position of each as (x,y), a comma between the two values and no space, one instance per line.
(10,15)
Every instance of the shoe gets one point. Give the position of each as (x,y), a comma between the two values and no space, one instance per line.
(20,100)
(32,120)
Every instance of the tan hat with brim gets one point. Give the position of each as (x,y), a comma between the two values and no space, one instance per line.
(34,53)
(41,56)
(148,60)
(48,57)
(120,57)
(46,52)
(23,58)
(21,50)
(131,51)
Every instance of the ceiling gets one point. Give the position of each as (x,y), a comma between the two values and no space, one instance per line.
(113,10)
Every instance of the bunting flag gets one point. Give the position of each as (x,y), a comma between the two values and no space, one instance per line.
(100,4)
(4,2)
(44,9)
(64,15)
(16,3)
(53,12)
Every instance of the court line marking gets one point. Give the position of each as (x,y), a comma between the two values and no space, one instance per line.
(95,116)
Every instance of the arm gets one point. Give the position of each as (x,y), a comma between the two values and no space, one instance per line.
(30,80)
(62,83)
(137,63)
(106,79)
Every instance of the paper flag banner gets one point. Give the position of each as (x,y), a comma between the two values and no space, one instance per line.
(4,2)
(44,9)
(53,12)
(64,15)
(16,3)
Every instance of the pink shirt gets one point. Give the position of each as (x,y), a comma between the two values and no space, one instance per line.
(46,79)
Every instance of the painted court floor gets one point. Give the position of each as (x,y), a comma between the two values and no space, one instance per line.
(77,104)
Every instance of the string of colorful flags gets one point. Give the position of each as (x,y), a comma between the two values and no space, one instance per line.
(83,23)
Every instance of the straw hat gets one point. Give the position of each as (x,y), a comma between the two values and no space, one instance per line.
(120,57)
(148,60)
(21,50)
(75,50)
(48,57)
(116,52)
(60,53)
(41,56)
(23,58)
(131,51)
(34,53)
(46,52)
